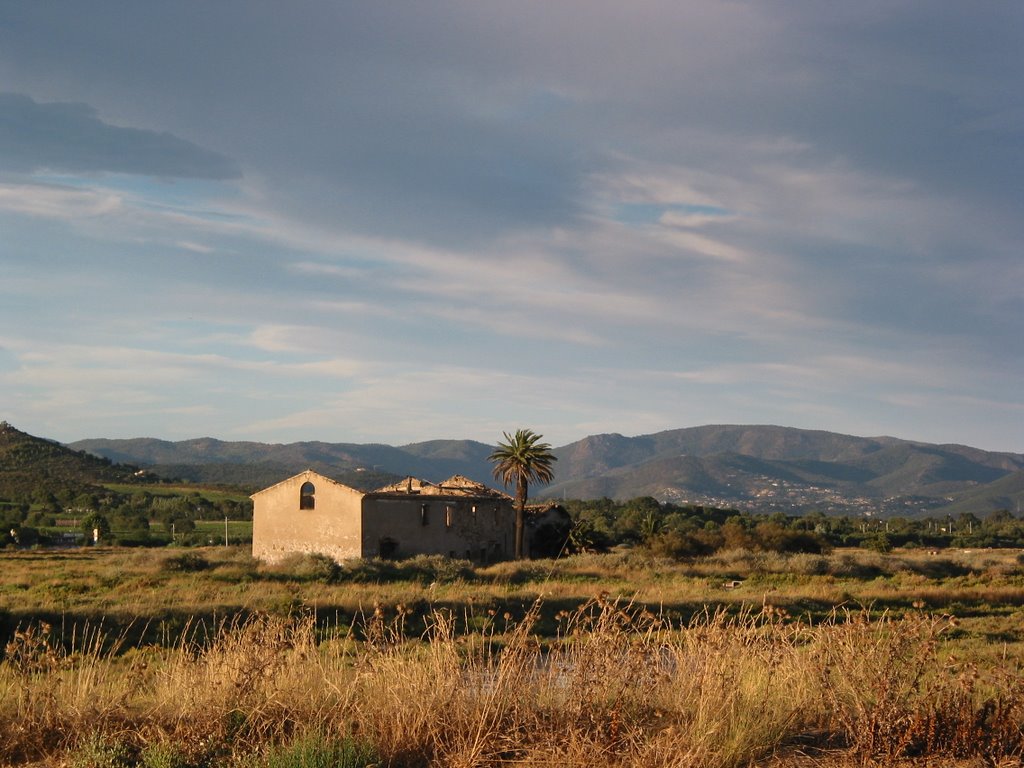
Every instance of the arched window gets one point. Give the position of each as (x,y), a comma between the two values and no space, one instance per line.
(307,496)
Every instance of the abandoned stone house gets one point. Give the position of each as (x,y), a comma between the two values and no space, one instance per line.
(310,513)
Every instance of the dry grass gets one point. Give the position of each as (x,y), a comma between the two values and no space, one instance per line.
(618,686)
(152,583)
(432,663)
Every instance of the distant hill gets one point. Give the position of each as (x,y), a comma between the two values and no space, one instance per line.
(758,467)
(783,468)
(257,465)
(31,465)
(1005,493)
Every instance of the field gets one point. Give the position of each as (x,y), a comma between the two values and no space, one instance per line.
(203,657)
(170,490)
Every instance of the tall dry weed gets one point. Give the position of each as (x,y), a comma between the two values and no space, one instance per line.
(892,695)
(259,681)
(619,685)
(50,695)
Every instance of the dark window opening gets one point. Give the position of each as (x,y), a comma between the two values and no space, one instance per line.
(388,548)
(424,516)
(307,496)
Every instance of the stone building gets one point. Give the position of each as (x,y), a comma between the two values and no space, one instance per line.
(311,513)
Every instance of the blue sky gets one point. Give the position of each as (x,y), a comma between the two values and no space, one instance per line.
(391,222)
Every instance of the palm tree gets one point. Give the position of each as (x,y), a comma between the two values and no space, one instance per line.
(518,461)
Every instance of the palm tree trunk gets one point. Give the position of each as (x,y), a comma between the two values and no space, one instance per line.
(520,532)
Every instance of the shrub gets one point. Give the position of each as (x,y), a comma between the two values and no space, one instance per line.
(809,565)
(857,567)
(362,570)
(879,542)
(162,755)
(520,571)
(309,567)
(422,568)
(938,567)
(776,538)
(676,545)
(188,562)
(98,752)
(428,568)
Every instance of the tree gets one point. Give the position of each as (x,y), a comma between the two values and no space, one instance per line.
(641,519)
(520,460)
(880,542)
(96,528)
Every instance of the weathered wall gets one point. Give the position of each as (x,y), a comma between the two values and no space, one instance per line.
(451,527)
(332,527)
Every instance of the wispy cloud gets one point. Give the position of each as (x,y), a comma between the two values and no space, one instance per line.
(195,247)
(57,202)
(575,216)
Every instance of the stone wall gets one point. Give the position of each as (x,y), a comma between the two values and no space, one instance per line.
(402,525)
(331,527)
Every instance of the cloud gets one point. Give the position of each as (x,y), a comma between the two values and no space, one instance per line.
(772,200)
(58,202)
(71,138)
(195,247)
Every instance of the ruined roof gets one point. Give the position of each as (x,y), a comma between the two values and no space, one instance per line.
(456,485)
(407,485)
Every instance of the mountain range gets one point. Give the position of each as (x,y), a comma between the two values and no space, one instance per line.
(762,468)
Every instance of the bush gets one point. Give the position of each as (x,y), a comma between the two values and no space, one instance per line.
(809,565)
(863,567)
(431,568)
(98,752)
(312,566)
(676,545)
(422,568)
(163,756)
(188,562)
(520,571)
(879,542)
(938,568)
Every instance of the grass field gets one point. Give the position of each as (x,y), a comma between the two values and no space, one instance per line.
(204,657)
(170,490)
(237,530)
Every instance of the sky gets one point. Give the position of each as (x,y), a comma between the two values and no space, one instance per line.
(403,221)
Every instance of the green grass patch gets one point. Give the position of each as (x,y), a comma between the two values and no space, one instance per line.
(169,491)
(322,752)
(237,529)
